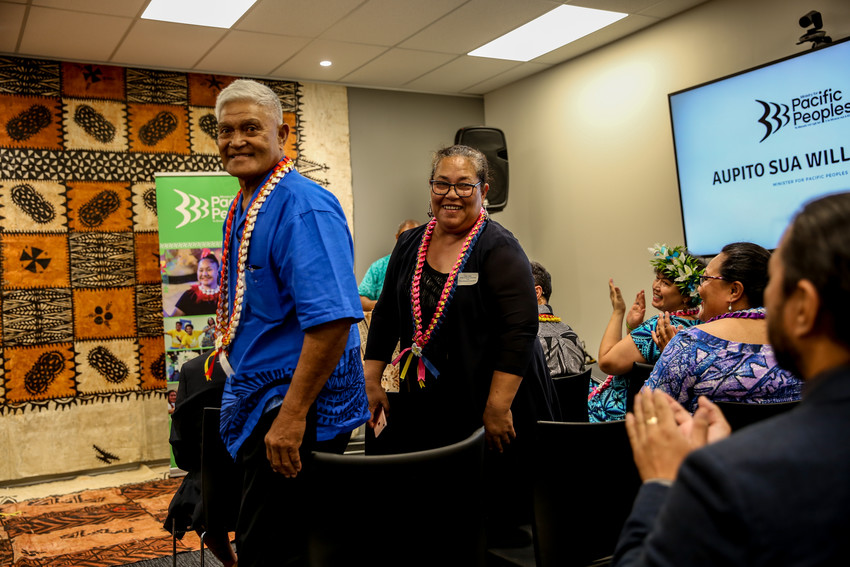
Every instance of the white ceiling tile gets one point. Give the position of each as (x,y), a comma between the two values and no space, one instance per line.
(128,8)
(11,18)
(458,75)
(167,45)
(250,53)
(387,22)
(71,35)
(345,57)
(475,23)
(308,18)
(511,75)
(397,67)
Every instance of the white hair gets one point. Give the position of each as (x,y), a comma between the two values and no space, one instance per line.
(251,91)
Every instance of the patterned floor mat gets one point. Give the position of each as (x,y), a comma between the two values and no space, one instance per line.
(92,528)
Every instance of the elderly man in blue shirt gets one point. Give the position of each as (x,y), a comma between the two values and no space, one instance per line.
(284,328)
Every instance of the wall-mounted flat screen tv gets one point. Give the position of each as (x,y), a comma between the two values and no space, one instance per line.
(752,147)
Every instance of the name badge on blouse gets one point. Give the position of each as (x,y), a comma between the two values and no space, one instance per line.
(467,278)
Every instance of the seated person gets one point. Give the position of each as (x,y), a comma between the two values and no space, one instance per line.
(194,393)
(373,282)
(726,358)
(564,354)
(674,293)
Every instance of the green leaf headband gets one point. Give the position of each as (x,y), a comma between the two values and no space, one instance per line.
(676,264)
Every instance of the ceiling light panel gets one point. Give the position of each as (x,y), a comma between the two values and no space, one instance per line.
(550,31)
(210,13)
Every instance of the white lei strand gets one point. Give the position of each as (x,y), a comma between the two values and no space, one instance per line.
(223,339)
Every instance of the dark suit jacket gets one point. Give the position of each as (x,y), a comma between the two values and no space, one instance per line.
(776,493)
(194,393)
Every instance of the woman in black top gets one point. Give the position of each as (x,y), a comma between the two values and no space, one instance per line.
(460,297)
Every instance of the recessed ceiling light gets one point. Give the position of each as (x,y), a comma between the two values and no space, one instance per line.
(211,13)
(325,63)
(550,31)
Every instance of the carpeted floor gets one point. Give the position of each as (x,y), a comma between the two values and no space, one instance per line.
(187,559)
(93,528)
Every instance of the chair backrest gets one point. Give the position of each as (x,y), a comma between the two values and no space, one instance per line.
(572,395)
(585,482)
(421,508)
(221,484)
(636,376)
(740,414)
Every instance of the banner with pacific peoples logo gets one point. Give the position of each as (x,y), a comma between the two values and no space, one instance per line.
(191,208)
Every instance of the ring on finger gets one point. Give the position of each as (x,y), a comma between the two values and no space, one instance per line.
(652,420)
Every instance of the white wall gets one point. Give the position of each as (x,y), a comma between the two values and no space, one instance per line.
(393,135)
(592,170)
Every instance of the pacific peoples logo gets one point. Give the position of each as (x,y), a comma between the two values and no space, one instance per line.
(193,208)
(806,110)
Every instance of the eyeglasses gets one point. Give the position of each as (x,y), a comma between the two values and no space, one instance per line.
(703,277)
(462,189)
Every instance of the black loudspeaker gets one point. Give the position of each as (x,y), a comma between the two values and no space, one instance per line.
(490,142)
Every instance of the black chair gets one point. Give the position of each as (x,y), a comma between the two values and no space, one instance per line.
(637,376)
(572,395)
(208,498)
(740,414)
(585,482)
(411,509)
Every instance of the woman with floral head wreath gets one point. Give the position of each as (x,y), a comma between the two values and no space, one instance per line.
(674,293)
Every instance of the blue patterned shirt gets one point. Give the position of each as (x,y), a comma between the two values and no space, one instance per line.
(696,364)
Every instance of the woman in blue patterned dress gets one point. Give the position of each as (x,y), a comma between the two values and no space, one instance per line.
(674,293)
(728,357)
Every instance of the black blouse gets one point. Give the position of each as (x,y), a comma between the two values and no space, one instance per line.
(490,323)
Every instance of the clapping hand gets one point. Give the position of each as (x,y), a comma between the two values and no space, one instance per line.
(664,331)
(616,296)
(662,432)
(637,311)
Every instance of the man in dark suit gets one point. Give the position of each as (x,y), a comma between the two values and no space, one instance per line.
(777,492)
